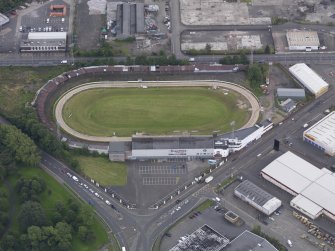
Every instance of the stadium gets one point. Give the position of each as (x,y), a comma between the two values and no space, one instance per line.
(105,116)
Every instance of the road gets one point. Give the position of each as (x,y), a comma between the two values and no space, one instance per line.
(137,230)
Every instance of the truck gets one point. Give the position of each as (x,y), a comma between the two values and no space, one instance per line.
(208,179)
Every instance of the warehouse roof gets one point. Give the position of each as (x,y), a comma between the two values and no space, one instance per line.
(302,38)
(292,171)
(172,142)
(253,192)
(312,81)
(290,92)
(3,19)
(316,185)
(309,206)
(47,36)
(323,131)
(249,241)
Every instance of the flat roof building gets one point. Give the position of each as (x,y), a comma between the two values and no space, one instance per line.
(172,146)
(249,241)
(3,19)
(44,41)
(309,79)
(314,188)
(322,134)
(257,197)
(303,40)
(292,93)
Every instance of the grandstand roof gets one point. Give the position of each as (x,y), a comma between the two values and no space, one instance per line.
(47,35)
(172,142)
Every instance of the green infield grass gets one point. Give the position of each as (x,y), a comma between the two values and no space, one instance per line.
(102,170)
(125,111)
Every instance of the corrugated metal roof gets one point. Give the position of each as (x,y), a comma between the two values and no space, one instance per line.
(290,92)
(324,130)
(302,38)
(46,35)
(312,81)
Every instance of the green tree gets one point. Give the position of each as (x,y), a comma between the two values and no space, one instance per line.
(267,49)
(22,148)
(31,213)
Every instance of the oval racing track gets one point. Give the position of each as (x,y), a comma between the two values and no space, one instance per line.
(255,107)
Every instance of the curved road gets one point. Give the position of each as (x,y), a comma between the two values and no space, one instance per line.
(255,107)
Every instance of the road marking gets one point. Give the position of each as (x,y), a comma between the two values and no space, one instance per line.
(160,181)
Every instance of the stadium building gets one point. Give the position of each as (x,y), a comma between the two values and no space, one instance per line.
(239,139)
(313,188)
(322,134)
(44,42)
(302,40)
(190,147)
(257,197)
(309,79)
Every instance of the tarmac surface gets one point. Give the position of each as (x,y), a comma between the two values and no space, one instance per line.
(255,106)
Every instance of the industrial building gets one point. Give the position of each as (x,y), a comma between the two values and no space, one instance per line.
(257,197)
(309,79)
(302,40)
(292,93)
(250,241)
(129,19)
(288,105)
(314,188)
(322,134)
(58,10)
(3,19)
(203,239)
(44,42)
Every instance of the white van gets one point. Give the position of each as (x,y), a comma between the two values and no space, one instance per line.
(289,243)
(63,62)
(75,178)
(48,20)
(63,20)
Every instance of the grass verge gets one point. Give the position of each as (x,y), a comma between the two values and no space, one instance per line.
(102,170)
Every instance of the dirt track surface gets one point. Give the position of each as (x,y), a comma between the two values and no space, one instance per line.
(254,104)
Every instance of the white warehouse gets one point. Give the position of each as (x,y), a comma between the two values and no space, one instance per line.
(309,79)
(301,40)
(257,197)
(314,188)
(322,134)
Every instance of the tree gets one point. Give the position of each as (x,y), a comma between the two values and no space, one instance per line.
(267,49)
(31,213)
(21,147)
(63,236)
(208,48)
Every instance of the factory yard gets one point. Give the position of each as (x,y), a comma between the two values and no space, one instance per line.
(225,41)
(260,12)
